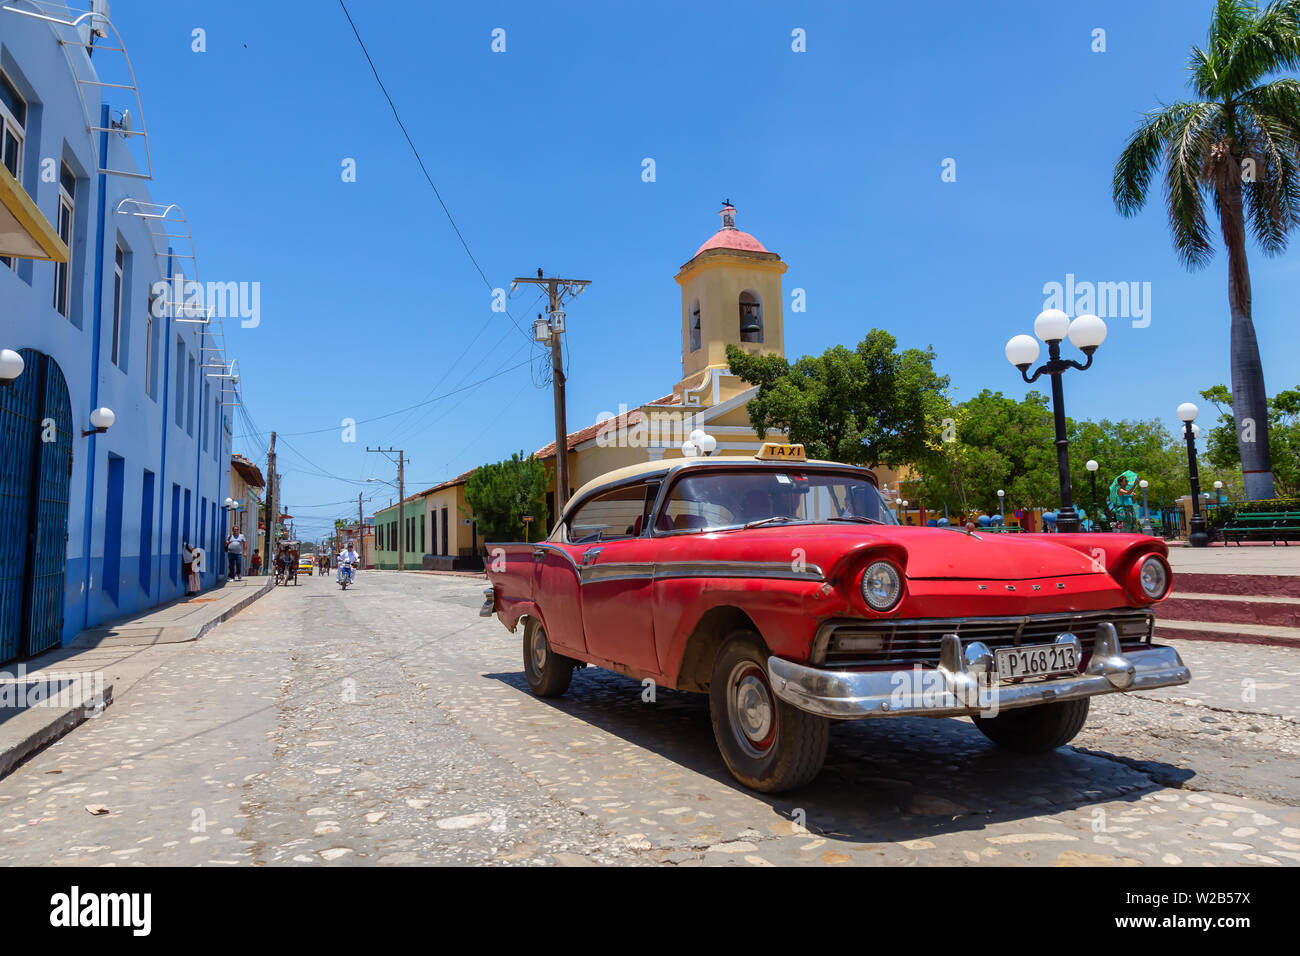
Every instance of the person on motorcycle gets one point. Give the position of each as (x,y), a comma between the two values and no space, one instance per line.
(350,558)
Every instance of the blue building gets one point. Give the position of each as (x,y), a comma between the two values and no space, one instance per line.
(92,519)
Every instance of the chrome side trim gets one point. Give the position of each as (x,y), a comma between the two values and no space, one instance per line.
(853,695)
(648,570)
(780,570)
(633,570)
(618,572)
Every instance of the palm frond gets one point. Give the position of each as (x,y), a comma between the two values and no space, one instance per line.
(1272,196)
(1265,43)
(1230,20)
(1145,151)
(1188,159)
(1205,73)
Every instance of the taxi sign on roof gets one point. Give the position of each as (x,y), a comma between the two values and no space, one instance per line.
(775,451)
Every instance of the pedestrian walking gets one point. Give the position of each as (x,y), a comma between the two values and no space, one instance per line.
(196,566)
(235,544)
(255,565)
(187,565)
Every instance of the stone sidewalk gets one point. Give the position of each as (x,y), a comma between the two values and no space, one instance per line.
(43,698)
(1251,559)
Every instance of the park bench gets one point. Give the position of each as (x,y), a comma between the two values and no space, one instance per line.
(1263,524)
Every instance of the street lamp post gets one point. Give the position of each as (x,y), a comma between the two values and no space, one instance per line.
(11,366)
(1196,535)
(1092,467)
(1087,332)
(1002,511)
(1146,512)
(698,443)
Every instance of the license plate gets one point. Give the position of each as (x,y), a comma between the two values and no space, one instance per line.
(1036,660)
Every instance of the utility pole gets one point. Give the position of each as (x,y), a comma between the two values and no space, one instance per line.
(401,500)
(361,531)
(270,505)
(549,330)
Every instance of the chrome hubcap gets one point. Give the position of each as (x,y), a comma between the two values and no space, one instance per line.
(750,705)
(539,650)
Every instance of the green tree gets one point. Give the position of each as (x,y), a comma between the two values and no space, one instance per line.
(500,494)
(992,442)
(1221,446)
(867,406)
(1236,147)
(1146,448)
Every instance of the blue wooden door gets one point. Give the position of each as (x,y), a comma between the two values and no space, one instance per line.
(36,446)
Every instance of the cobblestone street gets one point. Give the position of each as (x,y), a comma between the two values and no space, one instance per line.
(389,724)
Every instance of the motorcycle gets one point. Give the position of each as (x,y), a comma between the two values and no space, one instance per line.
(345,575)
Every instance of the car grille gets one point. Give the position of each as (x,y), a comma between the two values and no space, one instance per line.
(917,641)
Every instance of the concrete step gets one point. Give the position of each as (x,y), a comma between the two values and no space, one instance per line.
(1271,635)
(1231,609)
(1251,585)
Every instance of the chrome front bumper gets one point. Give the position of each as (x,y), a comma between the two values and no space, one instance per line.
(489,603)
(963,684)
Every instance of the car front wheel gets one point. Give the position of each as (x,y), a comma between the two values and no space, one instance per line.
(548,673)
(767,744)
(1037,729)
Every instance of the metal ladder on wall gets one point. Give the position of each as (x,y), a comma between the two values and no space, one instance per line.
(76,31)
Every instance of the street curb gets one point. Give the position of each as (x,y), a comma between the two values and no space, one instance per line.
(92,638)
(62,722)
(234,609)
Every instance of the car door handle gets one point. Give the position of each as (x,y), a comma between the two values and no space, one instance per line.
(590,555)
(539,553)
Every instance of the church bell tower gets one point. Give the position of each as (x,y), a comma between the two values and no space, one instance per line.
(731,294)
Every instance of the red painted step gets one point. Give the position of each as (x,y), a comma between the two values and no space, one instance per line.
(1250,585)
(1231,609)
(1267,634)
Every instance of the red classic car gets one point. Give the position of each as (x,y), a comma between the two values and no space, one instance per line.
(786,590)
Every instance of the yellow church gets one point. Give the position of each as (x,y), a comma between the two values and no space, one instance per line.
(731,294)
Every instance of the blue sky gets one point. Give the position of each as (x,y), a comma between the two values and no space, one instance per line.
(832,156)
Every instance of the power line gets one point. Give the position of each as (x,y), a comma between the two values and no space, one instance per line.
(430,401)
(422,419)
(400,425)
(419,159)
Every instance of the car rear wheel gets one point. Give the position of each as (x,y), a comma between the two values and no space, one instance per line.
(1037,729)
(767,744)
(548,673)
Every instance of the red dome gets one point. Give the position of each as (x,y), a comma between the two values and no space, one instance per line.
(732,239)
(729,237)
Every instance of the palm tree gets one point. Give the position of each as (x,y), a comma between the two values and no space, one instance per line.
(1237,146)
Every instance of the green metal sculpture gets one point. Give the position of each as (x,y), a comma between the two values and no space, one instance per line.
(1122,500)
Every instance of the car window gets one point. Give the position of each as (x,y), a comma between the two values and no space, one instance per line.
(620,513)
(714,499)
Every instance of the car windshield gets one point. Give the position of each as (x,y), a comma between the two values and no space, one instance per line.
(712,500)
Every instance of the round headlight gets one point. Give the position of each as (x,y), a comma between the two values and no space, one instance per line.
(1154,578)
(882,585)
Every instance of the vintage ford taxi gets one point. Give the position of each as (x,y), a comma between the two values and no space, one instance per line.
(786,590)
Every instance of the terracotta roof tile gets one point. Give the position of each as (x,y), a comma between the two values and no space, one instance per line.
(629,418)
